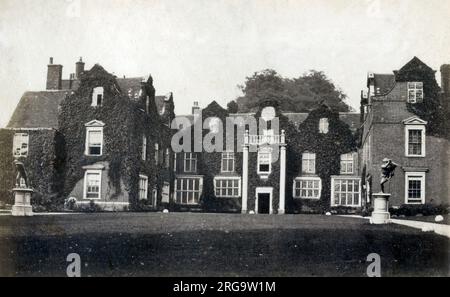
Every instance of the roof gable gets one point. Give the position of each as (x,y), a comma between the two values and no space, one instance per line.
(414,120)
(95,123)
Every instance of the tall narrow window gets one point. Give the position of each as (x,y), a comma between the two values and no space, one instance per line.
(323,125)
(94,138)
(309,163)
(20,144)
(415,142)
(167,158)
(144,147)
(415,92)
(143,187)
(190,162)
(264,161)
(347,163)
(92,184)
(228,162)
(94,142)
(97,96)
(147,104)
(156,153)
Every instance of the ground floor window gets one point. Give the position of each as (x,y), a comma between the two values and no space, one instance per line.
(188,190)
(415,187)
(165,193)
(227,187)
(345,191)
(307,187)
(143,187)
(92,184)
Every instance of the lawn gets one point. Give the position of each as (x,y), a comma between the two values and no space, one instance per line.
(196,244)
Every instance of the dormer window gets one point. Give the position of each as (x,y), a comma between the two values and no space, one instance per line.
(97,96)
(415,92)
(323,125)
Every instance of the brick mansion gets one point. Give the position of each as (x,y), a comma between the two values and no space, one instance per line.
(97,139)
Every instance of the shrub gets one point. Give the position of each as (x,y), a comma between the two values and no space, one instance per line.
(91,207)
(427,209)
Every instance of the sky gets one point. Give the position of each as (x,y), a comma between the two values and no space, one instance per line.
(202,49)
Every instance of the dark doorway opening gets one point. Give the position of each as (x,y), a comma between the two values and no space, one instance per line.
(264,203)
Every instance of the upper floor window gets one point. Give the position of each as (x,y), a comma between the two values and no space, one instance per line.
(97,96)
(167,158)
(347,163)
(144,147)
(415,137)
(20,144)
(415,92)
(227,162)
(190,162)
(156,153)
(264,161)
(309,163)
(323,125)
(147,104)
(94,138)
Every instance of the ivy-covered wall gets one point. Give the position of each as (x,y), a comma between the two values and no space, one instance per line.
(43,165)
(328,148)
(126,121)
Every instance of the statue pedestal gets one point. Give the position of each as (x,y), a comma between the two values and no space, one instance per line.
(380,214)
(22,202)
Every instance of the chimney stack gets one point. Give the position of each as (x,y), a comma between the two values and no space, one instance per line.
(79,68)
(195,108)
(445,79)
(54,76)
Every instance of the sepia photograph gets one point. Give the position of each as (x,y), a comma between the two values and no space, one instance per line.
(224,145)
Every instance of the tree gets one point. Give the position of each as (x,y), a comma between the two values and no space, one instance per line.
(300,94)
(232,107)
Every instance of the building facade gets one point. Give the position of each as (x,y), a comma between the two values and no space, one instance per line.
(404,120)
(99,140)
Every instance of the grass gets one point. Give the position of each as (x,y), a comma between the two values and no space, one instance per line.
(195,244)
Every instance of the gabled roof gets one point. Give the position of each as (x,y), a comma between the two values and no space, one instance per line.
(352,119)
(130,86)
(38,110)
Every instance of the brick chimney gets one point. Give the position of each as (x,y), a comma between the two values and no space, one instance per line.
(79,68)
(54,76)
(445,79)
(195,108)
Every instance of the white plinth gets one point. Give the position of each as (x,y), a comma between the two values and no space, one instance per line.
(380,214)
(22,202)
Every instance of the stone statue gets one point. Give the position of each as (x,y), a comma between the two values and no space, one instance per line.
(387,172)
(21,178)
